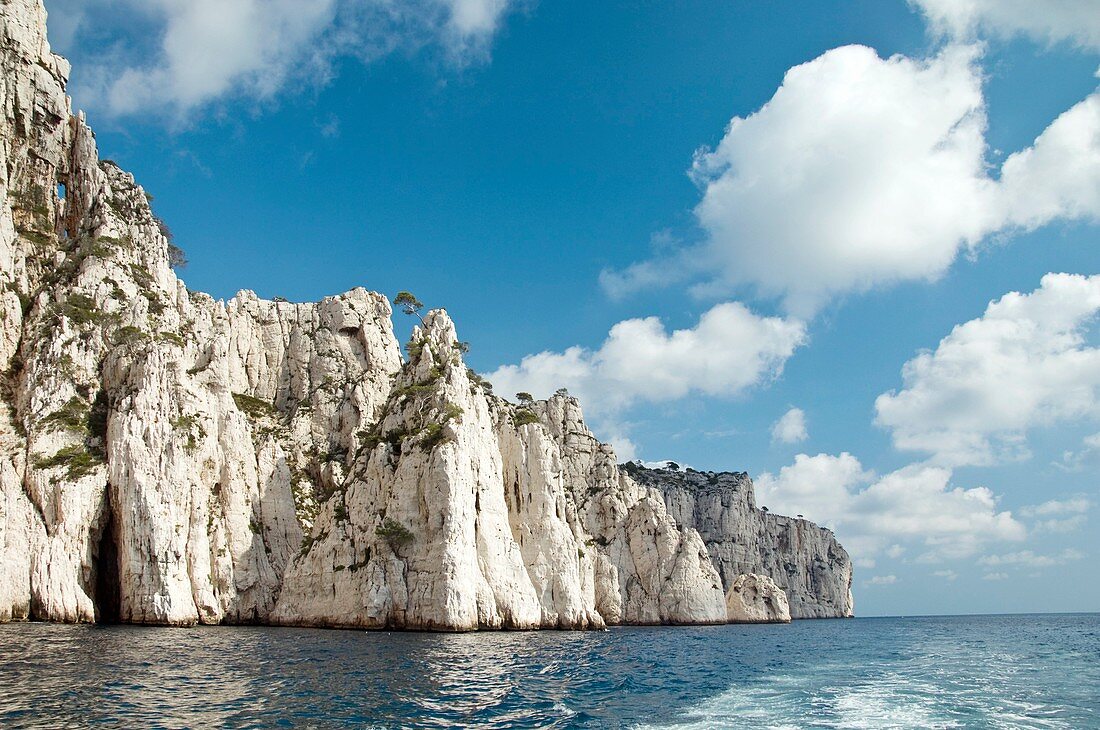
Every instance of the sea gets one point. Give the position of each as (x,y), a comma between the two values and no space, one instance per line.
(1020,671)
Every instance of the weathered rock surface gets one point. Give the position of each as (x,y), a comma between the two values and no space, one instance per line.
(805,560)
(756,599)
(166,458)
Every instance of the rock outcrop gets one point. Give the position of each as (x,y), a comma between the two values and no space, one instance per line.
(166,458)
(756,599)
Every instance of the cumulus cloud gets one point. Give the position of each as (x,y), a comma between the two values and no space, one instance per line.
(791,427)
(995,576)
(1059,515)
(1025,362)
(210,50)
(1076,21)
(881,580)
(863,172)
(916,503)
(616,432)
(730,350)
(948,575)
(1058,176)
(1029,559)
(1072,506)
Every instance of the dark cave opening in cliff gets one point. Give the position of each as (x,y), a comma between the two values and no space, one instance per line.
(108,588)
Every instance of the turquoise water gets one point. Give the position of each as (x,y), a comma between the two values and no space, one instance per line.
(950,672)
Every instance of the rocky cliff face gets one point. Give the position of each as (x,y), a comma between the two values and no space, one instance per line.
(167,458)
(805,560)
(756,599)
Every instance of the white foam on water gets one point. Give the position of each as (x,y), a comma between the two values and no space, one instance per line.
(785,702)
(887,704)
(768,706)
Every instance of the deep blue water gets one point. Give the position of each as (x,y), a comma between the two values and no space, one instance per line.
(944,672)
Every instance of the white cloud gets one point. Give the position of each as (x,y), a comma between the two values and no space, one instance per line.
(915,503)
(66,18)
(625,448)
(1068,524)
(730,350)
(656,274)
(948,575)
(1024,363)
(1076,21)
(210,50)
(666,464)
(473,18)
(1089,455)
(1029,559)
(820,487)
(1059,516)
(1072,506)
(858,170)
(863,172)
(881,580)
(995,576)
(791,427)
(1059,175)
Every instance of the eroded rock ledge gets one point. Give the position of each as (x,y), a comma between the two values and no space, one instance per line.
(166,458)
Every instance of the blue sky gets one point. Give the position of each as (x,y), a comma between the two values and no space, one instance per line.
(557,174)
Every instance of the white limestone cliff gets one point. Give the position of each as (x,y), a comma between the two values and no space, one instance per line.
(166,458)
(460,512)
(756,599)
(805,560)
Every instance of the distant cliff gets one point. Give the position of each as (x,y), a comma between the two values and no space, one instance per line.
(802,558)
(166,458)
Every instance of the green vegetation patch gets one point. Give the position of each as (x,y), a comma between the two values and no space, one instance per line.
(432,435)
(71,417)
(375,436)
(254,407)
(394,533)
(478,381)
(38,238)
(340,512)
(171,337)
(128,335)
(414,389)
(309,541)
(523,416)
(81,309)
(77,460)
(141,276)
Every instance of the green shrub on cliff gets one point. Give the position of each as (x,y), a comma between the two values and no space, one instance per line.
(394,533)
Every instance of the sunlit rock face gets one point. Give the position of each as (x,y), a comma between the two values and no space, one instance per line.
(756,599)
(166,458)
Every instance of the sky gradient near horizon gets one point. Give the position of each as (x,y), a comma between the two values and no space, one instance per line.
(847,247)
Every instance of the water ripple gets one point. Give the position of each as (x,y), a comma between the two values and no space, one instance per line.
(963,672)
